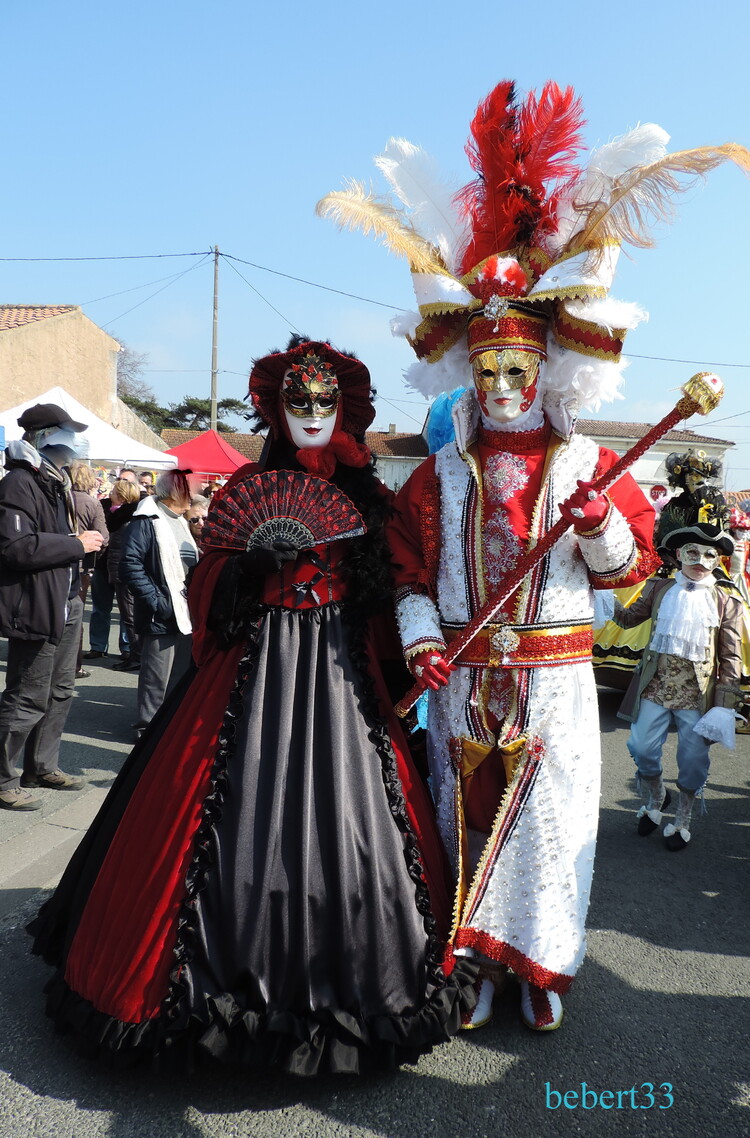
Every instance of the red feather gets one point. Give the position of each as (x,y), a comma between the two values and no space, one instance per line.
(549,140)
(516,152)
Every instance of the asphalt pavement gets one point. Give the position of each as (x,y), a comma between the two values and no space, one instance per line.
(655,1039)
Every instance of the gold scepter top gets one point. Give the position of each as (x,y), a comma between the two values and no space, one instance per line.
(702,394)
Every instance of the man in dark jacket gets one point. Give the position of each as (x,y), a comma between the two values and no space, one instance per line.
(40,610)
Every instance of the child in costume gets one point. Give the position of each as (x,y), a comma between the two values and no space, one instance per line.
(511,277)
(689,676)
(264,883)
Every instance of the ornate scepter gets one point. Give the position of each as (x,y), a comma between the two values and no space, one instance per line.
(700,395)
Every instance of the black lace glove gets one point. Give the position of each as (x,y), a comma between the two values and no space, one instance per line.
(265,559)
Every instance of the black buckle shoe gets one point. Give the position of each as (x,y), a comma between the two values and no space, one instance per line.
(647,825)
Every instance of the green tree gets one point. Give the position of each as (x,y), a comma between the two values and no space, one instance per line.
(194,414)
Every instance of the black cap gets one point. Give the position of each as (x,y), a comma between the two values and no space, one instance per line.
(703,534)
(43,415)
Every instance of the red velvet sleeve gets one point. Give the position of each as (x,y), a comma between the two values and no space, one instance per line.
(414,532)
(635,507)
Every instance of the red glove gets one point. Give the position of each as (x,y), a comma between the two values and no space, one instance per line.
(585,509)
(430,669)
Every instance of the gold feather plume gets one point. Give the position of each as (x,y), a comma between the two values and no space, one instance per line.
(642,196)
(357,208)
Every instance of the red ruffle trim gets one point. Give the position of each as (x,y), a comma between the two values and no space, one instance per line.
(503,953)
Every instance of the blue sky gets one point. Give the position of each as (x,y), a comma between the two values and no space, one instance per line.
(172,127)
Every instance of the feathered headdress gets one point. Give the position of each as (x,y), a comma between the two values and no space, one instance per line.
(534,237)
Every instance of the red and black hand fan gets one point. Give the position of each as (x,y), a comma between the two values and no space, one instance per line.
(281,505)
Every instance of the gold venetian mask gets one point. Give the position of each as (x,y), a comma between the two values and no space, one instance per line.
(310,389)
(509,369)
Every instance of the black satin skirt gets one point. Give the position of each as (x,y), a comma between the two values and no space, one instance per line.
(306,939)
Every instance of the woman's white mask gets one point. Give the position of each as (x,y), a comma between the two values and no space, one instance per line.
(311,431)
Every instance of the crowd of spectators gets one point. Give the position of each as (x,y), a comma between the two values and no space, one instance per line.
(125,540)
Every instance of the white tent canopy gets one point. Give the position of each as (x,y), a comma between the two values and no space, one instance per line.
(107,445)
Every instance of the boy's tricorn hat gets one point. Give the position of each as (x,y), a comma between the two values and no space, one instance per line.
(703,534)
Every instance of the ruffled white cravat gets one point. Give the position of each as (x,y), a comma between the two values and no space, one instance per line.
(686,618)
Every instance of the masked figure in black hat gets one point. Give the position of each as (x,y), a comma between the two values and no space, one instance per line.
(700,499)
(40,610)
(690,674)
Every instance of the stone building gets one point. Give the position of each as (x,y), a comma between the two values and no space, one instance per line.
(56,345)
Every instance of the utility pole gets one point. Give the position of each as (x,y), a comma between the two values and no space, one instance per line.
(214,340)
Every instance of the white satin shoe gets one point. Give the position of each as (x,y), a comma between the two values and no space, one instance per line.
(541,1010)
(482,1013)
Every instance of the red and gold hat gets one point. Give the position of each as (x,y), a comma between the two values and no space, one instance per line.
(553,225)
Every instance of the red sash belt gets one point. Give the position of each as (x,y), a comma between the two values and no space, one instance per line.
(519,646)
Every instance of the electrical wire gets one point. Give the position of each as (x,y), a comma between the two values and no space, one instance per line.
(126,257)
(122,292)
(229,257)
(313,284)
(146,299)
(669,360)
(406,413)
(262,297)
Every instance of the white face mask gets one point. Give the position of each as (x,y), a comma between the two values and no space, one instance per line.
(310,432)
(77,445)
(502,406)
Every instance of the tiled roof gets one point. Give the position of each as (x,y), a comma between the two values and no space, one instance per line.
(396,445)
(14,315)
(737,497)
(404,445)
(610,429)
(380,443)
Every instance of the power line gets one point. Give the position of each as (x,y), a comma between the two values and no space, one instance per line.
(712,422)
(406,413)
(669,360)
(260,294)
(127,257)
(313,284)
(123,291)
(299,280)
(146,299)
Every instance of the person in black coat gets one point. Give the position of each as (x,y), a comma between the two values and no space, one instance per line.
(124,501)
(40,609)
(158,552)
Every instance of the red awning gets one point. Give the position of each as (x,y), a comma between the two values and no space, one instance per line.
(208,453)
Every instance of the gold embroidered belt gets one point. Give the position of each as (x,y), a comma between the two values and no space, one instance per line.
(524,646)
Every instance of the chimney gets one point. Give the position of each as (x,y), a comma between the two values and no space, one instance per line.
(391,428)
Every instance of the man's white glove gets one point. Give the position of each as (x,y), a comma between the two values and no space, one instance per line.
(717,725)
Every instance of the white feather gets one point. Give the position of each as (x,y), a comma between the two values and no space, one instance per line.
(609,312)
(585,379)
(452,370)
(413,175)
(644,144)
(405,324)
